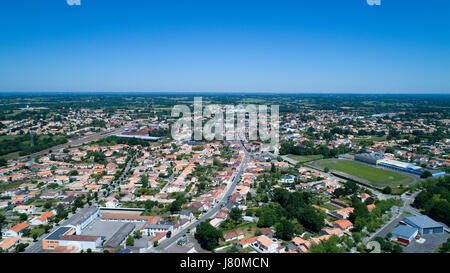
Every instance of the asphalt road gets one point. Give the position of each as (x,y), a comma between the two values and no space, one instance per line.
(211,212)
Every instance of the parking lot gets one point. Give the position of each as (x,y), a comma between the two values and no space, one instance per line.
(432,241)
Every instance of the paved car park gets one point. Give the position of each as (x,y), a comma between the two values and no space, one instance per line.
(432,241)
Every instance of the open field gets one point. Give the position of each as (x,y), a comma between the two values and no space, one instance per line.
(366,172)
(15,146)
(304,158)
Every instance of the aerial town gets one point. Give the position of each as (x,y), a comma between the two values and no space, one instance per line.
(87,177)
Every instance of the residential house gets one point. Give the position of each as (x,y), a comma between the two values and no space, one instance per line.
(16,231)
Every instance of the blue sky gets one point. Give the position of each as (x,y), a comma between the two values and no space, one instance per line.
(226,46)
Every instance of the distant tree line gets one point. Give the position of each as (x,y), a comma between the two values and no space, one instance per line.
(289,147)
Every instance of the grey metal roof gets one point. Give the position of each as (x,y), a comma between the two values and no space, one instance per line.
(422,221)
(81,216)
(185,212)
(370,156)
(120,235)
(404,231)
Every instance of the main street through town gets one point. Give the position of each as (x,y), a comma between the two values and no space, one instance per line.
(224,200)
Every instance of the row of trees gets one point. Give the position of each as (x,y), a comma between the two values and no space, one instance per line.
(435,199)
(289,147)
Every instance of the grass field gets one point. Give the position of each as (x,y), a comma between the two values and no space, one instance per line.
(304,158)
(371,174)
(11,146)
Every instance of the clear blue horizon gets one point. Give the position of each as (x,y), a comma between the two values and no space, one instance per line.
(320,46)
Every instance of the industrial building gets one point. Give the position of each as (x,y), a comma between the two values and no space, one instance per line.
(424,224)
(404,233)
(52,240)
(83,218)
(64,237)
(400,166)
(379,160)
(416,226)
(119,237)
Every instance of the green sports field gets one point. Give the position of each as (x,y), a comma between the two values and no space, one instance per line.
(366,172)
(304,158)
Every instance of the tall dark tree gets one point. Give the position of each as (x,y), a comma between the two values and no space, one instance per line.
(207,236)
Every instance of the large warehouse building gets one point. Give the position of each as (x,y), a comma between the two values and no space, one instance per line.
(424,224)
(412,226)
(404,233)
(377,159)
(400,166)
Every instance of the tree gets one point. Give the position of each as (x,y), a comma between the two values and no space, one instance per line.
(144,181)
(441,211)
(351,187)
(311,219)
(387,190)
(397,249)
(328,246)
(267,217)
(298,228)
(48,204)
(60,212)
(426,174)
(175,206)
(217,162)
(23,217)
(360,215)
(78,203)
(207,235)
(273,169)
(386,246)
(236,215)
(130,241)
(357,236)
(21,247)
(284,230)
(2,162)
(137,234)
(445,248)
(47,228)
